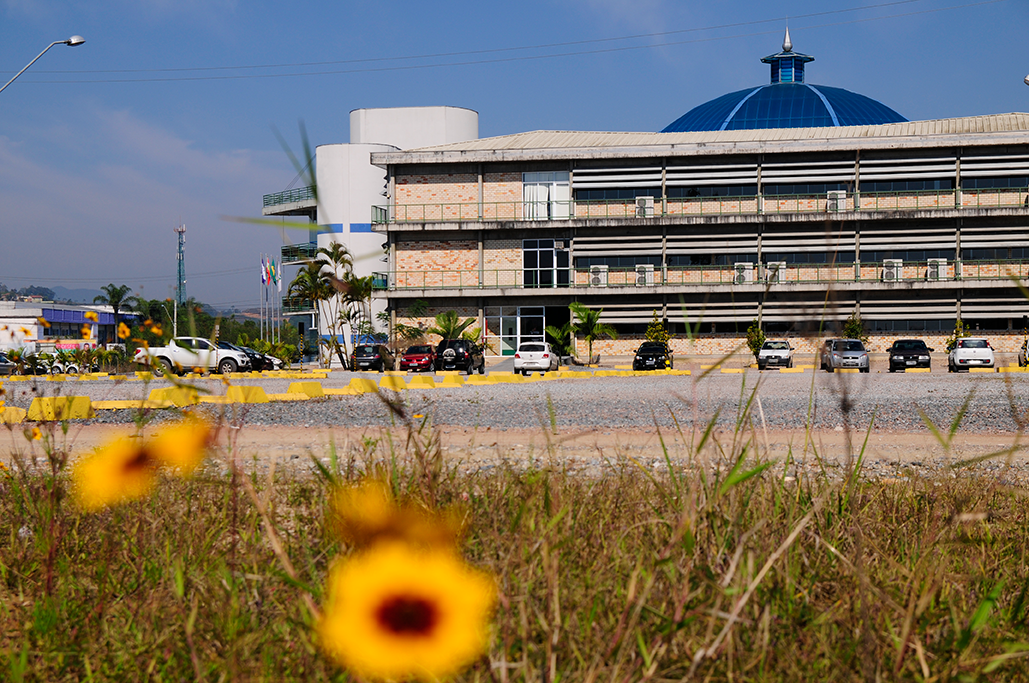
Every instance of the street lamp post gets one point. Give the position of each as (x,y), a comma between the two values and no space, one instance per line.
(71,42)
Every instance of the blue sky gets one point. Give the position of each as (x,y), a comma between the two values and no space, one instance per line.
(165,115)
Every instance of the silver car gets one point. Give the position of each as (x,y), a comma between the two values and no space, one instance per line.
(534,357)
(844,354)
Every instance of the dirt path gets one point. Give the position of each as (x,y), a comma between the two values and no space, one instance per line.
(568,445)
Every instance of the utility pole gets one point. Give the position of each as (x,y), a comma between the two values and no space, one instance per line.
(180,288)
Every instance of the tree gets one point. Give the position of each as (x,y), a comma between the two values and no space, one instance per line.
(755,338)
(853,328)
(336,266)
(450,326)
(960,332)
(588,326)
(560,338)
(115,296)
(657,332)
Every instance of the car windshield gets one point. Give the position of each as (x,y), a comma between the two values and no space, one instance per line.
(652,348)
(851,346)
(419,349)
(366,350)
(530,348)
(776,345)
(910,345)
(973,344)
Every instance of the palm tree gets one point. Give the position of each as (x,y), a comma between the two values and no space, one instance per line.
(449,326)
(561,338)
(310,286)
(587,325)
(115,296)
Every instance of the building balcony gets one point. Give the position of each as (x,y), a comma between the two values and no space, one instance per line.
(300,201)
(830,203)
(297,306)
(299,253)
(600,279)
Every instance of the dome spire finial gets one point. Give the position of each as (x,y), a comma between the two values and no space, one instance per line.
(787,44)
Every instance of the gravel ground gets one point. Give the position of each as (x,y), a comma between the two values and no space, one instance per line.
(784,401)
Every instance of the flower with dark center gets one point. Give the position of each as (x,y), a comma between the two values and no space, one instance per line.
(398,611)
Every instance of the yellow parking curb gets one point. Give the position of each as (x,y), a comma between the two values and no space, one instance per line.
(732,371)
(422,382)
(848,371)
(290,396)
(982,370)
(393,382)
(61,408)
(12,415)
(309,389)
(907,370)
(791,371)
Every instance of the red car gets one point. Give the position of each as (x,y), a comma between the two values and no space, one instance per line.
(419,358)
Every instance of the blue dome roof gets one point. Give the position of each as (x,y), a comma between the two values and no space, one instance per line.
(785,105)
(786,102)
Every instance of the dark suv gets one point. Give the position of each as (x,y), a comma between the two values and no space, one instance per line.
(909,353)
(652,355)
(460,354)
(372,357)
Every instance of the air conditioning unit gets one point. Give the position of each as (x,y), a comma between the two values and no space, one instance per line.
(774,271)
(743,273)
(937,269)
(644,274)
(892,269)
(598,276)
(644,207)
(836,201)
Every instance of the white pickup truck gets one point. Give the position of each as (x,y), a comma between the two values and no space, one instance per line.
(183,354)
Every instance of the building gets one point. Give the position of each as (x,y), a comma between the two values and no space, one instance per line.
(46,325)
(791,204)
(348,186)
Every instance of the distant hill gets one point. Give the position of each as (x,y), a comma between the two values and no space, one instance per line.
(76,296)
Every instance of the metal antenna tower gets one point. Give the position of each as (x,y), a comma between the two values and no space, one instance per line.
(180,287)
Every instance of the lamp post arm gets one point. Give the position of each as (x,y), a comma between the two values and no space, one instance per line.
(56,42)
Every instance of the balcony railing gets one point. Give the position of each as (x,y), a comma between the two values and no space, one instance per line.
(700,206)
(292,253)
(297,194)
(297,306)
(739,275)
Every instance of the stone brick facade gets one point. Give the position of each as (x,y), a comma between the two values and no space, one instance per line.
(444,196)
(502,196)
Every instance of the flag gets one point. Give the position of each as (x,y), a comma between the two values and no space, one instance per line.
(264,273)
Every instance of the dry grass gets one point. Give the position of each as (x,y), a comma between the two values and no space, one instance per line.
(722,571)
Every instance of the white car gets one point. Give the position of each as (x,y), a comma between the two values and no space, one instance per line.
(534,357)
(970,352)
(184,354)
(775,352)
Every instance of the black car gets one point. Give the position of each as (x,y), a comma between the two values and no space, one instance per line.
(460,354)
(652,355)
(256,359)
(7,367)
(372,357)
(909,353)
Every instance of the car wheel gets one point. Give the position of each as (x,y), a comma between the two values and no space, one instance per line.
(226,366)
(789,363)
(162,367)
(866,370)
(482,368)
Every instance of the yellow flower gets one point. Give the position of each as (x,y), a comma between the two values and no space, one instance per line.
(41,321)
(156,329)
(91,315)
(24,330)
(118,472)
(182,446)
(367,513)
(87,331)
(123,331)
(398,612)
(36,434)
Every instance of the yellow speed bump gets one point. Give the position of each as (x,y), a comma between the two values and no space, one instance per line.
(452,380)
(422,382)
(12,415)
(309,389)
(394,382)
(474,380)
(240,394)
(61,408)
(180,396)
(363,385)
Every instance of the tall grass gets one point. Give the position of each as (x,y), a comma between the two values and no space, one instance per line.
(718,567)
